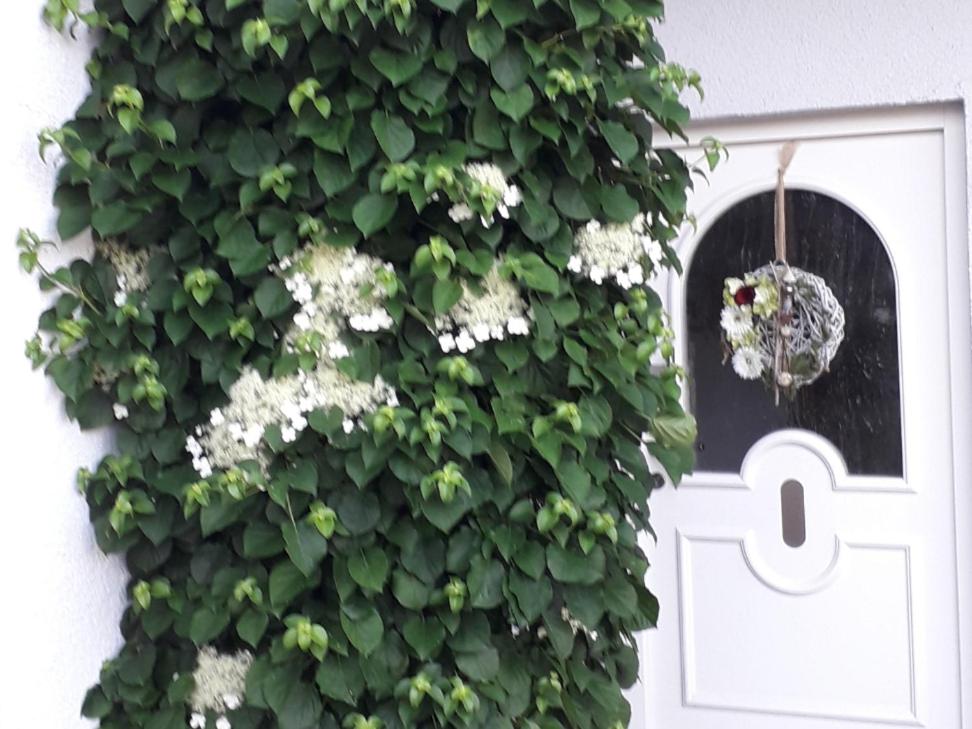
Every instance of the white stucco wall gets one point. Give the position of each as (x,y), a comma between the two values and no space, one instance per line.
(775,56)
(767,57)
(60,599)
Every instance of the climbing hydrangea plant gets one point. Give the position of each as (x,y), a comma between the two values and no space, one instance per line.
(367,310)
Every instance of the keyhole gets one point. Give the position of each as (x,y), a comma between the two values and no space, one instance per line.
(793,514)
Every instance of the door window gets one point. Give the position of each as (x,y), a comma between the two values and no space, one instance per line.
(857,405)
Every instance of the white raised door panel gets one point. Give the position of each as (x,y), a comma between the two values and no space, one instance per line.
(864,620)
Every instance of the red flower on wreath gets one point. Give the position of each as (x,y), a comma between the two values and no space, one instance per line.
(744,296)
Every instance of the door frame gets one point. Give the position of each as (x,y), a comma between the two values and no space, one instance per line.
(949,121)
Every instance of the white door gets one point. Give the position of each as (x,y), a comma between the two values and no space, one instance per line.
(815,570)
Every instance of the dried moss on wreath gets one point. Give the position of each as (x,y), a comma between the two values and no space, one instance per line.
(368,312)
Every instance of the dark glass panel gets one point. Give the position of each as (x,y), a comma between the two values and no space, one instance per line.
(857,405)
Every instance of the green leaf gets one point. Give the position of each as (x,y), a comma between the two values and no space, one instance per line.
(138,9)
(286,583)
(411,592)
(252,625)
(393,134)
(114,219)
(373,212)
(261,540)
(197,80)
(617,204)
(573,567)
(450,5)
(302,709)
(515,104)
(424,635)
(623,143)
(396,67)
(163,130)
(569,201)
(340,679)
(369,568)
(486,583)
(445,294)
(251,152)
(538,275)
(332,172)
(175,183)
(501,459)
(485,38)
(282,12)
(586,13)
(305,546)
(510,12)
(510,68)
(532,595)
(272,297)
(207,624)
(364,628)
(481,665)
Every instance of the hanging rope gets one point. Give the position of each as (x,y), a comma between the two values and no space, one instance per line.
(786,156)
(781,374)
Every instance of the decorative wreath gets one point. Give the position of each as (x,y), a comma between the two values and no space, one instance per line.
(782,325)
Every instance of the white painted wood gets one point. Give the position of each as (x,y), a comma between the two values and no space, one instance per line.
(868,622)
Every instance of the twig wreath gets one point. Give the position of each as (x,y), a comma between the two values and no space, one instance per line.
(368,311)
(781,324)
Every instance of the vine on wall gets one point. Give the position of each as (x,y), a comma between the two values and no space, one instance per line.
(368,311)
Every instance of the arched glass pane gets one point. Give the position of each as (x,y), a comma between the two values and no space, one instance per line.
(857,405)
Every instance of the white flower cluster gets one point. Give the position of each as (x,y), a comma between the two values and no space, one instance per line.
(235,432)
(745,300)
(220,683)
(492,311)
(617,251)
(335,288)
(491,181)
(131,267)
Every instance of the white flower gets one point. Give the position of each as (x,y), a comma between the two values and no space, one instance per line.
(747,363)
(654,251)
(464,342)
(736,322)
(623,279)
(733,285)
(575,265)
(518,326)
(481,332)
(204,468)
(252,436)
(597,274)
(337,350)
(302,320)
(460,212)
(223,723)
(447,342)
(637,274)
(130,264)
(197,720)
(288,434)
(218,675)
(232,701)
(120,411)
(348,425)
(216,417)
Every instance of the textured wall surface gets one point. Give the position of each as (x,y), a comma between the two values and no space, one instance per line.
(772,56)
(60,599)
